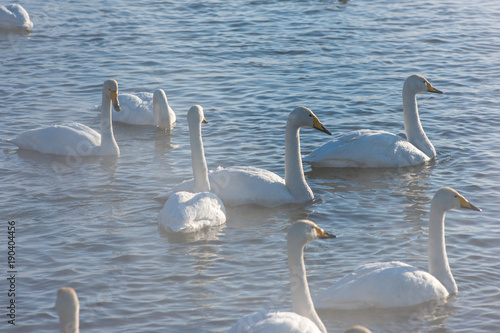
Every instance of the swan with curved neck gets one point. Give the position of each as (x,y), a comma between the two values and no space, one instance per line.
(372,148)
(187,211)
(249,185)
(76,139)
(396,284)
(68,309)
(304,317)
(146,109)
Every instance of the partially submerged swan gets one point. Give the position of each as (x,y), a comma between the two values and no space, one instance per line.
(75,139)
(396,284)
(248,185)
(187,211)
(375,148)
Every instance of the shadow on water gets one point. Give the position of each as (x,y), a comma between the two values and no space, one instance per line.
(206,234)
(375,177)
(433,313)
(143,133)
(63,165)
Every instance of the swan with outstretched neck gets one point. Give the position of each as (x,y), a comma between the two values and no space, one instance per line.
(249,185)
(396,284)
(304,317)
(375,148)
(137,110)
(75,139)
(193,211)
(68,309)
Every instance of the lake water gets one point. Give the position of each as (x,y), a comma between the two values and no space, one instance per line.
(92,223)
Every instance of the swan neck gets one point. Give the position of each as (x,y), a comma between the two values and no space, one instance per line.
(413,128)
(108,143)
(438,258)
(294,173)
(302,303)
(70,323)
(162,113)
(200,169)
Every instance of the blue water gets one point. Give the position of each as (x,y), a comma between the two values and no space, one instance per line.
(91,224)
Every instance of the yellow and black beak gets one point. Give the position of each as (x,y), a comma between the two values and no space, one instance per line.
(319,126)
(204,121)
(464,203)
(322,234)
(114,99)
(431,89)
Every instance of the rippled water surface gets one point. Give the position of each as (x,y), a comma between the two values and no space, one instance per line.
(92,223)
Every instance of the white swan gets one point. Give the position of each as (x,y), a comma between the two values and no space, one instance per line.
(14,16)
(145,109)
(373,149)
(396,284)
(186,211)
(76,139)
(304,317)
(249,185)
(68,308)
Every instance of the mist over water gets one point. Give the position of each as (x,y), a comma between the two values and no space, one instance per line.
(91,223)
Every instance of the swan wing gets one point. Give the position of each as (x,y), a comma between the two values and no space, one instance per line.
(71,139)
(191,212)
(274,322)
(367,149)
(249,186)
(136,109)
(381,285)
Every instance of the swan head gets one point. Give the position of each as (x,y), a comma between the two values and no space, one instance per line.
(305,231)
(447,198)
(159,95)
(302,116)
(67,307)
(110,88)
(417,84)
(195,115)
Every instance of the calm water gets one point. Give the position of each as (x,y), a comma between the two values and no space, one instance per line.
(91,224)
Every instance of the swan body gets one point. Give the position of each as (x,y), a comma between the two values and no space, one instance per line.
(14,16)
(270,322)
(248,185)
(304,317)
(68,308)
(146,109)
(191,212)
(76,139)
(187,211)
(396,284)
(381,149)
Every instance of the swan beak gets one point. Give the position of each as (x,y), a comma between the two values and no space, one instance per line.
(204,121)
(466,204)
(114,98)
(431,89)
(322,234)
(319,126)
